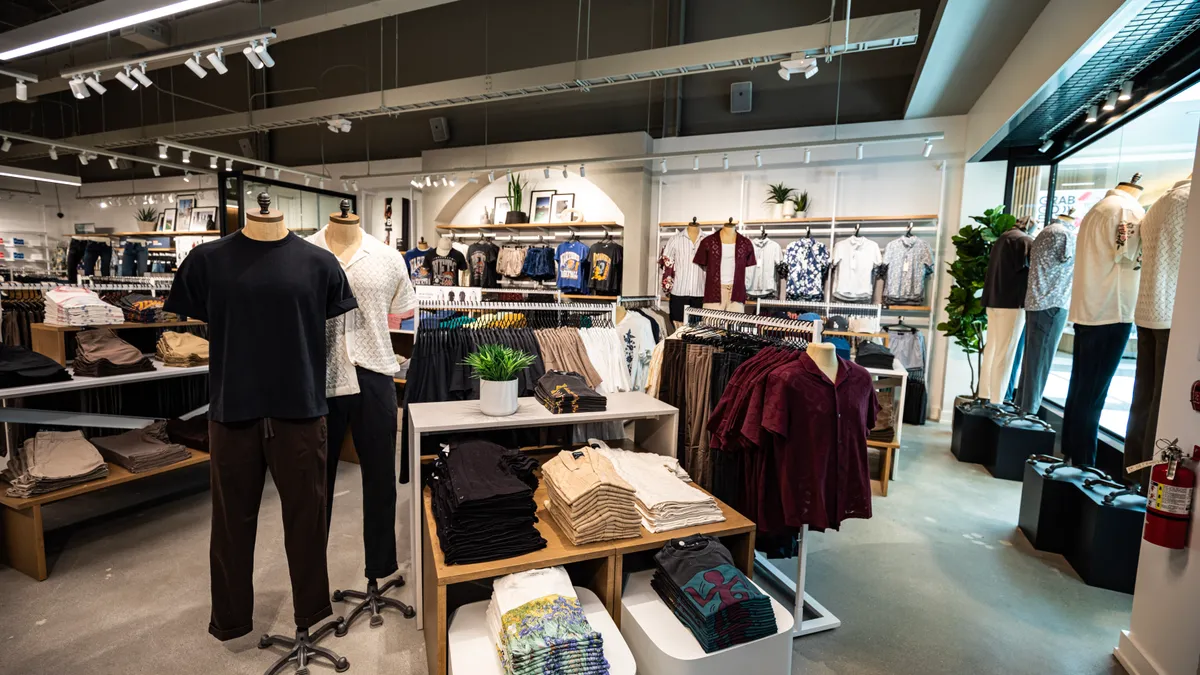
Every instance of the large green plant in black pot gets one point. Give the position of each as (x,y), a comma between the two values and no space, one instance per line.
(967,318)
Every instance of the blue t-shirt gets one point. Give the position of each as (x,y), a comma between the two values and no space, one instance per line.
(415,259)
(571,260)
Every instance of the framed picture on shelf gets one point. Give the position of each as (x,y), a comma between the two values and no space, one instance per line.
(185,204)
(166,220)
(560,204)
(539,206)
(501,211)
(203,218)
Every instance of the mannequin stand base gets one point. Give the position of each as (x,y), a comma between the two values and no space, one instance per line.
(373,601)
(302,649)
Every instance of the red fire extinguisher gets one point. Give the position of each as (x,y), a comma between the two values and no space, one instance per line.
(1169,502)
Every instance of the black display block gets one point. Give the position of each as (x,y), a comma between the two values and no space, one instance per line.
(1108,539)
(1050,505)
(1015,440)
(973,437)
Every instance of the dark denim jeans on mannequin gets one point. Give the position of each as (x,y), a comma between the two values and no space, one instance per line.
(1098,351)
(93,251)
(74,257)
(134,259)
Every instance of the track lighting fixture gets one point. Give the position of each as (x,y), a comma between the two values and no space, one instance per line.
(492,176)
(445,182)
(83,158)
(78,88)
(473,179)
(928,148)
(262,172)
(564,171)
(416,183)
(1110,102)
(321,183)
(546,172)
(229,165)
(157,170)
(696,163)
(6,145)
(662,164)
(307,180)
(124,78)
(428,181)
(453,180)
(217,59)
(582,171)
(139,74)
(1126,91)
(1092,114)
(263,54)
(22,90)
(345,186)
(354,185)
(193,64)
(798,64)
(187,176)
(508,174)
(187,156)
(112,162)
(53,152)
(725,161)
(758,159)
(94,83)
(251,56)
(807,155)
(276,174)
(162,151)
(1046,145)
(212,162)
(103,204)
(858,152)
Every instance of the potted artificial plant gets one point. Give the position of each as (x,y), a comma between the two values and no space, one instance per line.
(147,218)
(800,204)
(516,200)
(496,367)
(777,197)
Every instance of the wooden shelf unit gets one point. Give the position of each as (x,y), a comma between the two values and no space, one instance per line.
(51,340)
(150,235)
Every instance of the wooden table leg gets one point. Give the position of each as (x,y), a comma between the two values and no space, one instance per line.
(886,474)
(436,623)
(741,546)
(24,544)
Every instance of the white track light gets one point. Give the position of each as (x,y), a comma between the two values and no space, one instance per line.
(251,56)
(103,204)
(212,162)
(582,171)
(321,183)
(928,148)
(217,59)
(696,163)
(162,151)
(22,91)
(354,185)
(811,70)
(262,172)
(546,172)
(187,176)
(6,145)
(94,83)
(564,170)
(1093,114)
(1126,91)
(758,159)
(83,158)
(193,64)
(662,164)
(508,174)
(491,176)
(1045,146)
(112,162)
(428,181)
(858,152)
(445,182)
(187,156)
(157,170)
(139,74)
(307,181)
(807,155)
(79,89)
(415,183)
(1110,102)
(345,186)
(53,152)
(263,54)
(276,174)
(785,74)
(124,78)
(725,161)
(229,165)
(473,179)
(453,180)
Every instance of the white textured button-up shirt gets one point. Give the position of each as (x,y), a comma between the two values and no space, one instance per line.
(379,278)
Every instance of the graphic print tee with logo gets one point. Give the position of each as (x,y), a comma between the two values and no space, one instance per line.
(481,257)
(415,259)
(605,263)
(443,269)
(571,260)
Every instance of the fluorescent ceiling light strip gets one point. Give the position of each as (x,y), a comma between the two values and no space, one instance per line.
(245,160)
(106,27)
(40,176)
(83,149)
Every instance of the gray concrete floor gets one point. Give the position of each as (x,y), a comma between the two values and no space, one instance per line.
(938,582)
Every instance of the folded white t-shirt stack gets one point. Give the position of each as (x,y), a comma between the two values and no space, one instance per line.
(663,499)
(71,306)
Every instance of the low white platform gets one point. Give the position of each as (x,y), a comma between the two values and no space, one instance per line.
(472,651)
(662,645)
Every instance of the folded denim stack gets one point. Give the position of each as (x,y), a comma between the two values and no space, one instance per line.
(588,499)
(52,460)
(663,499)
(885,420)
(141,308)
(100,353)
(70,306)
(563,392)
(182,350)
(538,626)
(20,367)
(482,497)
(142,449)
(695,576)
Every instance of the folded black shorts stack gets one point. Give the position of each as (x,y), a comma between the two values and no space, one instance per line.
(482,497)
(564,392)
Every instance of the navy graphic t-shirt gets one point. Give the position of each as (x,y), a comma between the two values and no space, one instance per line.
(571,260)
(443,269)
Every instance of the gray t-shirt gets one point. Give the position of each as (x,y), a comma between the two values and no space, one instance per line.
(1051,267)
(909,260)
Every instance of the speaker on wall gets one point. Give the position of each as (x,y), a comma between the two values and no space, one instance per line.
(440,129)
(739,97)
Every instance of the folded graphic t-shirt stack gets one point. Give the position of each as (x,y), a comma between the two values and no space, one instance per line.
(100,353)
(538,625)
(588,500)
(141,308)
(70,306)
(696,578)
(567,392)
(141,449)
(663,499)
(182,350)
(20,367)
(52,460)
(482,499)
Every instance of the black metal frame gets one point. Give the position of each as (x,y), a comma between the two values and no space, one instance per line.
(241,177)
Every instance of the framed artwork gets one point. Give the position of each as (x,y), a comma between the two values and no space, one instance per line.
(166,220)
(85,228)
(560,204)
(203,218)
(185,204)
(501,211)
(539,206)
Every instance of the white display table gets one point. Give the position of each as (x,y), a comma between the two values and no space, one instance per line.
(473,652)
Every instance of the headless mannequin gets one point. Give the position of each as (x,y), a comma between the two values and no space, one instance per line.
(343,235)
(693,231)
(728,233)
(444,245)
(1132,187)
(265,224)
(825,356)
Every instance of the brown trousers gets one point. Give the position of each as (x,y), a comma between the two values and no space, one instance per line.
(295,452)
(699,375)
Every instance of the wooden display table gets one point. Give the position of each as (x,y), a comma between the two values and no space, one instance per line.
(24,543)
(51,340)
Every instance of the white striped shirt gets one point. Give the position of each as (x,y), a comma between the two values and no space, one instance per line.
(678,253)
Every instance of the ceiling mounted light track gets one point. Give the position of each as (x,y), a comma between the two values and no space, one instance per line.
(1046,145)
(22,78)
(928,149)
(258,166)
(1110,101)
(1126,91)
(1093,114)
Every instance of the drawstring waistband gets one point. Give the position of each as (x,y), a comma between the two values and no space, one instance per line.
(268,432)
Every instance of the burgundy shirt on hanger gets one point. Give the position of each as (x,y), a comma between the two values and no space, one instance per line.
(821,441)
(708,256)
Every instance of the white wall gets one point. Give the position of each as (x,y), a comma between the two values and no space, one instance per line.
(596,205)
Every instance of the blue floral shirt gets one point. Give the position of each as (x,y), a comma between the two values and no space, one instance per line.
(807,260)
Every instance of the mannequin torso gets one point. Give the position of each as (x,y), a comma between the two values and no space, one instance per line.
(825,356)
(343,236)
(265,224)
(693,233)
(728,234)
(444,245)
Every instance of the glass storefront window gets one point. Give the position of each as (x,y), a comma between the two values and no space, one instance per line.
(1161,146)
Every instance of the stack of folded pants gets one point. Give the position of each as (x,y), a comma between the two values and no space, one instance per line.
(588,499)
(20,367)
(53,460)
(142,449)
(563,392)
(100,353)
(182,350)
(663,499)
(885,419)
(695,576)
(482,498)
(538,626)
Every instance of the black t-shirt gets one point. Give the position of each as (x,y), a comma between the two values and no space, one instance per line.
(1008,271)
(481,258)
(605,263)
(443,269)
(266,303)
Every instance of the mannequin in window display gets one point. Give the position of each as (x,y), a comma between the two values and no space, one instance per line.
(1104,293)
(1161,236)
(1051,267)
(1004,291)
(682,279)
(725,255)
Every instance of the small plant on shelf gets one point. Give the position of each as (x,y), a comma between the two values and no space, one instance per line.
(778,195)
(147,216)
(515,191)
(497,367)
(801,204)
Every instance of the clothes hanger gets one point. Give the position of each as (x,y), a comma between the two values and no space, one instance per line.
(808,231)
(856,228)
(908,232)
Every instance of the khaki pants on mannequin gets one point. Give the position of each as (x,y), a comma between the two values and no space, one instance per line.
(1003,332)
(726,302)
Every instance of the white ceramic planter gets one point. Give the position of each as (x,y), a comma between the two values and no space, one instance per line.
(789,210)
(498,399)
(776,211)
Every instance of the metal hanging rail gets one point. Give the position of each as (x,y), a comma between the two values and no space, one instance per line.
(561,307)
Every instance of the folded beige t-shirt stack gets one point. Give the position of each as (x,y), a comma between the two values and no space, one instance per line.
(182,350)
(588,500)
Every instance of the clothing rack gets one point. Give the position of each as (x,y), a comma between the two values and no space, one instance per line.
(803,603)
(637,300)
(825,309)
(560,307)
